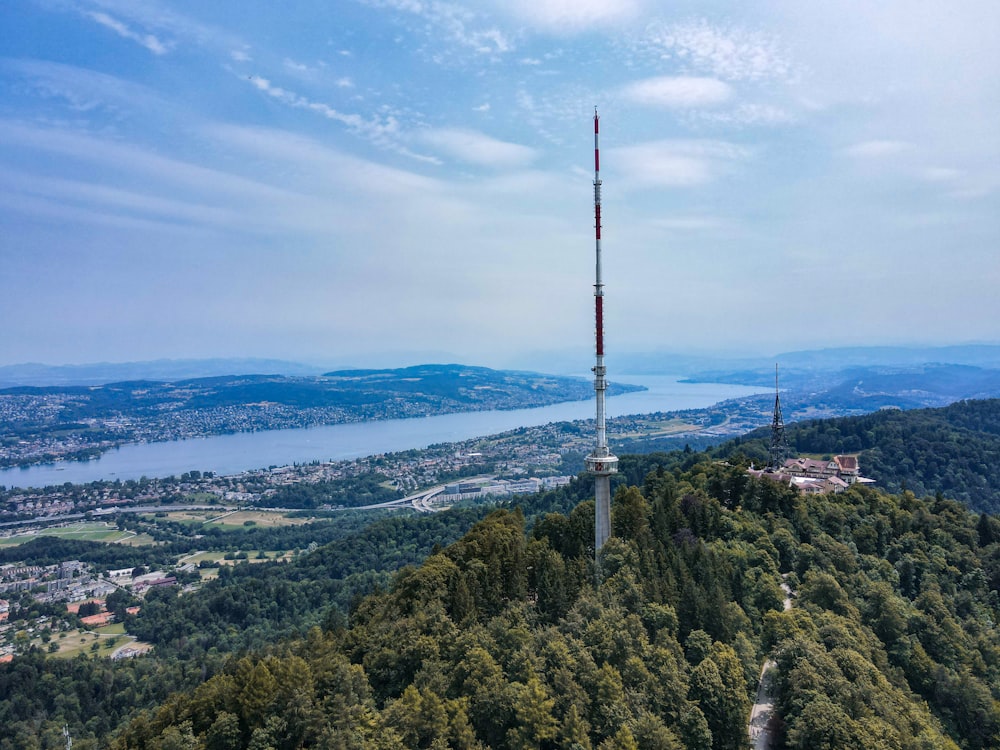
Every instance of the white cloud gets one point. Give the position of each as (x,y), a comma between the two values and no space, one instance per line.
(383,130)
(877,149)
(681,92)
(676,163)
(571,16)
(148,41)
(477,148)
(488,40)
(240,55)
(484,107)
(296,67)
(728,52)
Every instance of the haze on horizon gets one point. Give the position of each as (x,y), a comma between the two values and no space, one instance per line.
(356,181)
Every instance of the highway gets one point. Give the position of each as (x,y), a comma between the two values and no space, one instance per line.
(421,501)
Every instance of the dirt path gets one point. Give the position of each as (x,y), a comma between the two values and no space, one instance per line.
(767,692)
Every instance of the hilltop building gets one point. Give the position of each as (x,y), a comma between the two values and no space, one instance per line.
(816,476)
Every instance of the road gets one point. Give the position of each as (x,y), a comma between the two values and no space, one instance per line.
(767,692)
(420,501)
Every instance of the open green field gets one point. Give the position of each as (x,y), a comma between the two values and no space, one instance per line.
(219,558)
(75,642)
(255,556)
(199,557)
(239,519)
(660,427)
(90,531)
(137,540)
(181,516)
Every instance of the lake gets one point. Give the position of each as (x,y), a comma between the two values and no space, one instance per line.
(231,454)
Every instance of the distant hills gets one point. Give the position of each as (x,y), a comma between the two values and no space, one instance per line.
(704,368)
(871,388)
(753,370)
(34,374)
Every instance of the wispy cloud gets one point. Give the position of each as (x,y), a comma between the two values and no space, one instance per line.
(678,92)
(87,90)
(135,185)
(677,163)
(84,196)
(380,130)
(149,41)
(122,158)
(314,158)
(877,149)
(452,22)
(477,148)
(729,52)
(162,19)
(572,16)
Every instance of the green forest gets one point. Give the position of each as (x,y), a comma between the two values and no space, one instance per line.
(504,638)
(500,631)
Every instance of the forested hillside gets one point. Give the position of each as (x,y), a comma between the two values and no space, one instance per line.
(954,450)
(503,640)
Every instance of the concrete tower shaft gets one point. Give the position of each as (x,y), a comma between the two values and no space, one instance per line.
(601,462)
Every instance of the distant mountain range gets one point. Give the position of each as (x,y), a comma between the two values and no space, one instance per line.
(868,388)
(164,370)
(748,370)
(808,361)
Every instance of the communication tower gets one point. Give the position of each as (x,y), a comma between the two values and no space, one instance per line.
(601,462)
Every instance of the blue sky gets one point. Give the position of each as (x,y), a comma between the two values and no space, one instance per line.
(389,181)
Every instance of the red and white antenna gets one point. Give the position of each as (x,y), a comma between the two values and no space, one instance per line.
(601,463)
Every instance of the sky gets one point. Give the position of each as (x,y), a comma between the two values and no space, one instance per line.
(384,182)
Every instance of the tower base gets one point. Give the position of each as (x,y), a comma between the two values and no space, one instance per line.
(602,518)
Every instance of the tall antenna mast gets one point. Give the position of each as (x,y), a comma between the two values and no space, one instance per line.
(601,463)
(779,449)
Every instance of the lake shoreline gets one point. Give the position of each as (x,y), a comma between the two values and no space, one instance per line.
(234,453)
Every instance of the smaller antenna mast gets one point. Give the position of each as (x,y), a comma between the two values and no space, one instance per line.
(779,448)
